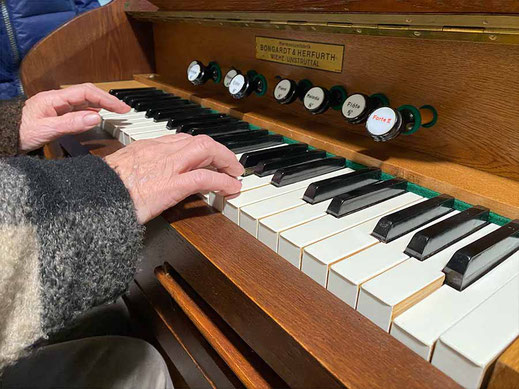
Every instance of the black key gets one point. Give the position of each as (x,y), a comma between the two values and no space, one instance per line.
(226,138)
(253,158)
(304,171)
(326,189)
(116,91)
(205,123)
(270,166)
(473,261)
(163,103)
(366,196)
(227,128)
(435,238)
(133,100)
(397,224)
(147,94)
(163,115)
(254,144)
(174,123)
(152,112)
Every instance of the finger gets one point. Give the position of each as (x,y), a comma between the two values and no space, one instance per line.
(72,122)
(79,95)
(203,151)
(173,138)
(203,180)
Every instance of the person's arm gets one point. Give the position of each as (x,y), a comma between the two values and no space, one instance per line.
(69,240)
(70,230)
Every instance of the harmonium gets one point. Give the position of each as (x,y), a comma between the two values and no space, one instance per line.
(375,241)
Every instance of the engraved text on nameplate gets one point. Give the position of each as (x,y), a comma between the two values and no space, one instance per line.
(323,56)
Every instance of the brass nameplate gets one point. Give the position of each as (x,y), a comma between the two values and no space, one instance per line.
(322,56)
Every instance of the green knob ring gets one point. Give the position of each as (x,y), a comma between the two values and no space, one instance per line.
(417,118)
(252,73)
(343,93)
(382,98)
(214,65)
(305,83)
(435,115)
(264,81)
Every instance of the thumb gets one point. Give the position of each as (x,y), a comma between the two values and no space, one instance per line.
(73,122)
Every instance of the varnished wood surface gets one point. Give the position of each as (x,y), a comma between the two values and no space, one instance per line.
(392,6)
(474,87)
(210,326)
(100,45)
(333,336)
(506,369)
(465,183)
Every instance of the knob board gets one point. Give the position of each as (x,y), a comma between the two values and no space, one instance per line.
(477,117)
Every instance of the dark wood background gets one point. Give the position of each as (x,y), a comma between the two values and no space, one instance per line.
(387,6)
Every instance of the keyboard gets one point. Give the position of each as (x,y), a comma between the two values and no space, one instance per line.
(437,274)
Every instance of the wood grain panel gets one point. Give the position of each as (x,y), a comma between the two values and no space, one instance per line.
(392,6)
(100,45)
(473,86)
(239,357)
(506,369)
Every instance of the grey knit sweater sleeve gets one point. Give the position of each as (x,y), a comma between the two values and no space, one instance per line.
(69,240)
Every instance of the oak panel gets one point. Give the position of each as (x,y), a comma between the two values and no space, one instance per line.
(474,87)
(506,369)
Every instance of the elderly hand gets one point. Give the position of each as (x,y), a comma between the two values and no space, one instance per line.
(163,171)
(49,115)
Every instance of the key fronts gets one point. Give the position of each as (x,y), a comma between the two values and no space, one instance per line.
(198,73)
(473,261)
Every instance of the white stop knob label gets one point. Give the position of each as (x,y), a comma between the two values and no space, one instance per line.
(237,84)
(228,77)
(354,106)
(282,89)
(193,71)
(314,98)
(381,121)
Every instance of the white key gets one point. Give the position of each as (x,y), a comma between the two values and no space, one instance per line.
(420,327)
(346,277)
(251,214)
(232,204)
(293,241)
(249,182)
(318,257)
(468,349)
(271,227)
(391,293)
(148,127)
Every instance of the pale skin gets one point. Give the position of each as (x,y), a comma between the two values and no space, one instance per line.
(158,173)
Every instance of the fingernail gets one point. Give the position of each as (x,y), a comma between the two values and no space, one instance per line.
(92,119)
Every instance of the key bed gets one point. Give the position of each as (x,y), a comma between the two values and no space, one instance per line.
(381,280)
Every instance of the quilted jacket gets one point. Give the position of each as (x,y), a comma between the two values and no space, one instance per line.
(22,24)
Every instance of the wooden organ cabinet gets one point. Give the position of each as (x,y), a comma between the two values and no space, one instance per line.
(228,311)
